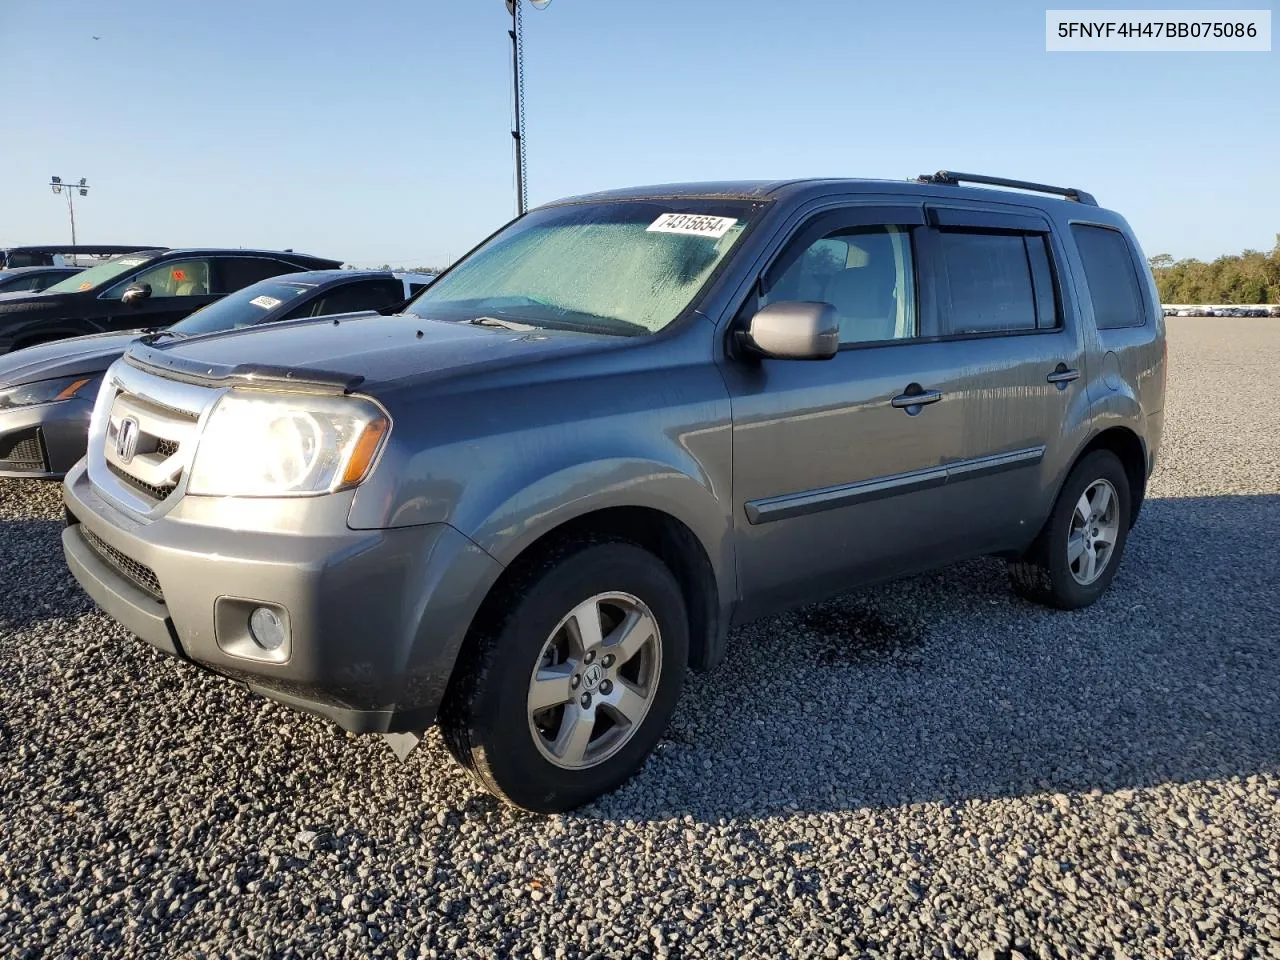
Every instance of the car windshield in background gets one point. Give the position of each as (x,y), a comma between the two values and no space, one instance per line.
(102,274)
(243,308)
(625,267)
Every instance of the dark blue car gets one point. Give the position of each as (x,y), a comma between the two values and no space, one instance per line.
(47,391)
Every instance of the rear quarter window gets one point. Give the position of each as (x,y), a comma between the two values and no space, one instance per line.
(1112,276)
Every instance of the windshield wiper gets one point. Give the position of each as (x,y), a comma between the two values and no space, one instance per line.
(152,334)
(505,324)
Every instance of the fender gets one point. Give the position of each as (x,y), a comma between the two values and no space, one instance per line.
(505,528)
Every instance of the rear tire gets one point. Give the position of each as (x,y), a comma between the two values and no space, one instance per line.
(1076,555)
(548,712)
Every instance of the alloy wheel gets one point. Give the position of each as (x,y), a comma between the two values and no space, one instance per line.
(595,680)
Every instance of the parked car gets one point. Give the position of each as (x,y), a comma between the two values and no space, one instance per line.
(33,279)
(63,255)
(47,391)
(620,425)
(150,288)
(1187,312)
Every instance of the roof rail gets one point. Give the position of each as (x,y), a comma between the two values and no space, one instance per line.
(955,179)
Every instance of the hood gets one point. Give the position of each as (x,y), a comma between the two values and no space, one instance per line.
(64,358)
(368,350)
(37,300)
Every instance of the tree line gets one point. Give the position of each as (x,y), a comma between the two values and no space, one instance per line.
(1249,277)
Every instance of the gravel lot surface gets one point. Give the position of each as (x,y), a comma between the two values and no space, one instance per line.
(933,768)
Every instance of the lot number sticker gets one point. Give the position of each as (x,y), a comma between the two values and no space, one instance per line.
(265,302)
(692,224)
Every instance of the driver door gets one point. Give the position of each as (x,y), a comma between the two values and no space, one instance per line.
(835,480)
(178,287)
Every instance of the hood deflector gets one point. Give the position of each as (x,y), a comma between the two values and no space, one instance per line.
(173,367)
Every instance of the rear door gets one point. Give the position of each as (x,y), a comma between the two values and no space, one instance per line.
(1004,311)
(235,273)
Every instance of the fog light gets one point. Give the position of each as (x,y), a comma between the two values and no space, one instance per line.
(267,628)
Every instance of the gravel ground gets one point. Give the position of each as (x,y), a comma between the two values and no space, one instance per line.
(938,769)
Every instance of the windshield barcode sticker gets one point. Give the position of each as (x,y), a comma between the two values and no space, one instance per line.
(692,224)
(266,303)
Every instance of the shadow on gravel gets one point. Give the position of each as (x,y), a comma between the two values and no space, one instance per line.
(948,687)
(35,584)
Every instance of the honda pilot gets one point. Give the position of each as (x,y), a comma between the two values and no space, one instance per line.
(621,425)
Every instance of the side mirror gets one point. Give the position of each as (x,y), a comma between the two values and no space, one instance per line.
(794,330)
(135,293)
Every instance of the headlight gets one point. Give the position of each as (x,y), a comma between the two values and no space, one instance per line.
(45,391)
(276,445)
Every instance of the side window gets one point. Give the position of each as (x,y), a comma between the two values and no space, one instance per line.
(361,295)
(174,278)
(866,273)
(996,282)
(44,281)
(1113,282)
(238,272)
(36,282)
(365,295)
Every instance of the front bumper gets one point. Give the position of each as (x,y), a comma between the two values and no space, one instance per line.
(376,616)
(43,442)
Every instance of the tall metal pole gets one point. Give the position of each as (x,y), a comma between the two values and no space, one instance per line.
(71,207)
(58,186)
(517,79)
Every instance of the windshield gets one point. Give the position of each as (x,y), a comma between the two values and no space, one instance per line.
(102,274)
(243,308)
(624,267)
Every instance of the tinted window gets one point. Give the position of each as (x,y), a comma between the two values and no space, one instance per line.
(988,276)
(1113,281)
(173,278)
(45,280)
(20,283)
(866,273)
(239,272)
(365,295)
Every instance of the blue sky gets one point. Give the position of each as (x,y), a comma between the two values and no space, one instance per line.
(378,131)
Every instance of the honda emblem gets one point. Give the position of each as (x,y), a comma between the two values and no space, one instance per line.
(126,439)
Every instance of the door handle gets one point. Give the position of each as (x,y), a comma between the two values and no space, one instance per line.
(915,397)
(1063,375)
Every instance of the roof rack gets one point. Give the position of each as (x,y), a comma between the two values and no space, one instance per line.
(955,179)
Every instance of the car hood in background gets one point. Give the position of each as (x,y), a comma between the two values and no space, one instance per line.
(64,358)
(38,301)
(367,349)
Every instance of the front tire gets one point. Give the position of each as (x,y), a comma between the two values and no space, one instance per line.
(1076,555)
(567,688)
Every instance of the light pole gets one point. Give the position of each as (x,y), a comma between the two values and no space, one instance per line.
(58,186)
(517,78)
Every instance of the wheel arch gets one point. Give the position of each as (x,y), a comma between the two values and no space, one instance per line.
(661,533)
(1130,449)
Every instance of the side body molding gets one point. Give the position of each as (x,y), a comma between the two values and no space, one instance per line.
(769,509)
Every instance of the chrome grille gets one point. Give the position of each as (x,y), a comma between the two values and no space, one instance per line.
(154,492)
(140,574)
(144,444)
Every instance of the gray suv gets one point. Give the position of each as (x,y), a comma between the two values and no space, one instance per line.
(621,425)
